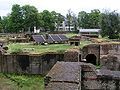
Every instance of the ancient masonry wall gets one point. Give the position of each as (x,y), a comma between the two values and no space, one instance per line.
(92,81)
(112,49)
(29,64)
(91,49)
(72,55)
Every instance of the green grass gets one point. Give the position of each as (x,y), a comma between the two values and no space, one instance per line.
(83,43)
(22,47)
(69,35)
(21,82)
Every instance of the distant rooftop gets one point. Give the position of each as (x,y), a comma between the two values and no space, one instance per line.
(89,30)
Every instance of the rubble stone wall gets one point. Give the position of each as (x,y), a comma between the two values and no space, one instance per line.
(91,49)
(72,55)
(91,80)
(110,62)
(29,64)
(112,49)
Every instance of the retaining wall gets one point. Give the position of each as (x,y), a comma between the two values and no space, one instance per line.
(28,64)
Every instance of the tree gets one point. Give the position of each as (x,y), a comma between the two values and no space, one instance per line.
(40,22)
(94,18)
(58,19)
(83,20)
(110,24)
(48,21)
(30,17)
(1,26)
(16,18)
(69,18)
(7,24)
(75,22)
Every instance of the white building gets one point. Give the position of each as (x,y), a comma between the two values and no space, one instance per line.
(64,27)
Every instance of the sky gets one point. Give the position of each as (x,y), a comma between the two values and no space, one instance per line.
(62,6)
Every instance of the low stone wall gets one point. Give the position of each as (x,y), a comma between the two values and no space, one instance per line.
(81,76)
(99,80)
(110,62)
(112,49)
(72,55)
(29,64)
(101,49)
(91,49)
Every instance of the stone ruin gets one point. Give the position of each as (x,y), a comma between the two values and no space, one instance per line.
(81,76)
(72,74)
(3,49)
(76,74)
(110,62)
(28,63)
(93,52)
(63,76)
(75,40)
(72,55)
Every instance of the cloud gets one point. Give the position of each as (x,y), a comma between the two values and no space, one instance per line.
(61,6)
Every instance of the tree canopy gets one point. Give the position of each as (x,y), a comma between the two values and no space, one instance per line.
(89,20)
(25,18)
(110,24)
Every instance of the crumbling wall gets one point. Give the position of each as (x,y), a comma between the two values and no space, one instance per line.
(112,49)
(9,64)
(109,80)
(89,78)
(91,49)
(35,64)
(101,49)
(110,62)
(93,79)
(72,55)
(64,76)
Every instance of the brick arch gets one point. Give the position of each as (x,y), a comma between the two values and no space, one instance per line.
(91,49)
(91,58)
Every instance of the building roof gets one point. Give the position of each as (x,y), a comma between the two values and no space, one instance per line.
(89,30)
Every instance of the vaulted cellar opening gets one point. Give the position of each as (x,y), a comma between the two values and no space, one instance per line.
(91,58)
(23,61)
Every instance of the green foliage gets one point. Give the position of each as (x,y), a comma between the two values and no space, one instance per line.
(69,35)
(7,24)
(16,51)
(16,18)
(98,66)
(89,20)
(71,20)
(25,18)
(21,82)
(48,21)
(21,19)
(30,17)
(83,21)
(83,43)
(110,24)
(58,19)
(1,26)
(94,18)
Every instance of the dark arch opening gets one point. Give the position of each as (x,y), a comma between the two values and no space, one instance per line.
(91,58)
(23,61)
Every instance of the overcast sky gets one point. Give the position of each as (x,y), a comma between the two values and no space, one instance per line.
(61,6)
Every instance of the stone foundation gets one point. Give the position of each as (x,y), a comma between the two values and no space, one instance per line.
(28,64)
